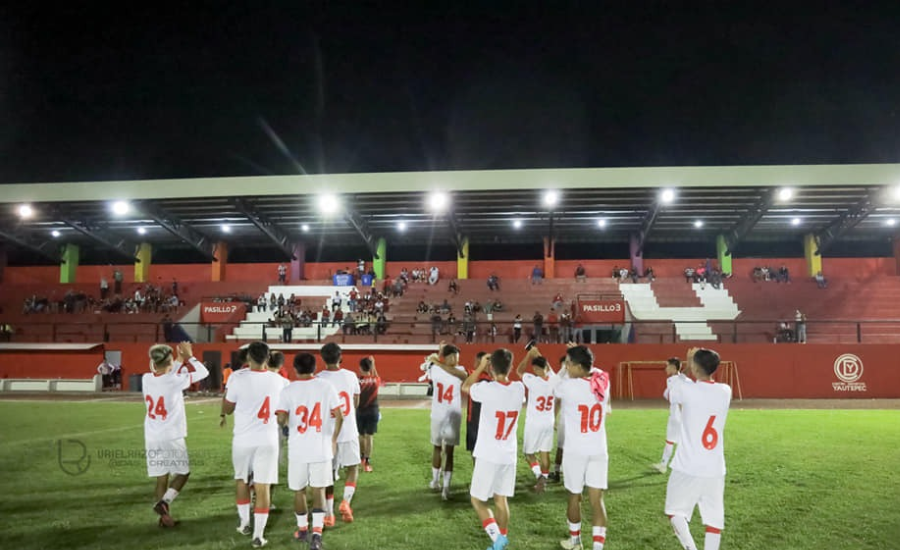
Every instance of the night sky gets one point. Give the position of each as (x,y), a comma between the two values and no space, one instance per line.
(176,90)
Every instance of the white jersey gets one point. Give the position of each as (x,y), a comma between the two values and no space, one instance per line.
(582,415)
(540,401)
(164,397)
(310,405)
(497,433)
(446,396)
(704,408)
(346,384)
(671,382)
(255,395)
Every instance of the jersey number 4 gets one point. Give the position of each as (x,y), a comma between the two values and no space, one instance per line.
(710,435)
(159,410)
(591,418)
(307,420)
(506,421)
(444,396)
(264,412)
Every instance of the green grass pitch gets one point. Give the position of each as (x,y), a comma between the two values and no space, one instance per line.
(798,479)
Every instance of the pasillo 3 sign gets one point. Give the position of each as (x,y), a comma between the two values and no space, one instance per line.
(220,312)
(602,311)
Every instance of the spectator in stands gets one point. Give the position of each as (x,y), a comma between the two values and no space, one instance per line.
(498,305)
(361,268)
(381,324)
(117,281)
(422,307)
(450,326)
(454,288)
(404,276)
(649,275)
(6,332)
(399,287)
(436,324)
(467,308)
(338,317)
(565,327)
(689,274)
(492,332)
(445,307)
(379,305)
(784,333)
(493,282)
(287,327)
(174,286)
(349,324)
(282,273)
(800,326)
(537,275)
(580,274)
(821,282)
(104,287)
(469,328)
(434,276)
(783,276)
(553,327)
(634,275)
(517,328)
(261,302)
(538,322)
(138,299)
(325,316)
(354,296)
(489,311)
(715,278)
(557,301)
(336,301)
(615,272)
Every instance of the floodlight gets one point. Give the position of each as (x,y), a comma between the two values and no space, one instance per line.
(329,204)
(120,208)
(551,198)
(25,211)
(438,201)
(785,194)
(667,196)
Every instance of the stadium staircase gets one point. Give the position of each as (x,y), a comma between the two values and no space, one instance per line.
(314,295)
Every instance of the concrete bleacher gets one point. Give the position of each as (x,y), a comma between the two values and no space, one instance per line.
(314,295)
(702,304)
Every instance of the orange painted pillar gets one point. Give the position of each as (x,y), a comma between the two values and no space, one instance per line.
(549,258)
(221,262)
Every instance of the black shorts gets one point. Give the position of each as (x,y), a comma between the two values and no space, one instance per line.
(471,435)
(367,420)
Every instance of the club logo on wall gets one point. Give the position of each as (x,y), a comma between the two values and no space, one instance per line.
(849,369)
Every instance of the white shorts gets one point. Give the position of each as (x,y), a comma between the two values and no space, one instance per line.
(537,439)
(445,430)
(261,460)
(673,429)
(489,479)
(684,492)
(580,471)
(560,434)
(347,454)
(311,474)
(167,457)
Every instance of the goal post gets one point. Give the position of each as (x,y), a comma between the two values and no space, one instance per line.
(727,373)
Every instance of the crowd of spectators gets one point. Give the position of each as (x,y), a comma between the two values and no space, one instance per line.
(366,312)
(148,298)
(623,274)
(766,274)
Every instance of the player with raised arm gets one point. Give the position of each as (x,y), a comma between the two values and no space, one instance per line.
(311,409)
(446,413)
(698,469)
(473,410)
(252,397)
(347,456)
(538,440)
(560,432)
(584,392)
(368,414)
(165,426)
(496,450)
(673,427)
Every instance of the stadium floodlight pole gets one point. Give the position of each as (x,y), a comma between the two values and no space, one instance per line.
(749,220)
(457,233)
(43,248)
(177,227)
(268,227)
(647,224)
(101,235)
(844,223)
(362,228)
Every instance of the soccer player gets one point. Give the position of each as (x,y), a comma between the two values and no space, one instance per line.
(560,434)
(584,392)
(367,415)
(538,440)
(496,450)
(473,411)
(446,413)
(253,397)
(347,386)
(673,427)
(698,469)
(165,425)
(311,409)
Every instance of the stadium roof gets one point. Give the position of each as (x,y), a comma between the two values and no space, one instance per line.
(858,202)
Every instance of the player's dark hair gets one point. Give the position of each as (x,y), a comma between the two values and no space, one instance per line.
(562,361)
(707,360)
(501,360)
(675,362)
(478,357)
(365,364)
(581,355)
(242,357)
(331,353)
(539,362)
(258,352)
(449,349)
(276,360)
(305,363)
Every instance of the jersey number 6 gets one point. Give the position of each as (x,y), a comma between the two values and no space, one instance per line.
(710,435)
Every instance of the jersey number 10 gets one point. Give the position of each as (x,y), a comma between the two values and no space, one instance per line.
(591,418)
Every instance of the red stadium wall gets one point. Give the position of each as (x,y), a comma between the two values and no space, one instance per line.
(766,370)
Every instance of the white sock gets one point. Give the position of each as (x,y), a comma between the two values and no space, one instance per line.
(491,528)
(349,491)
(302,520)
(329,505)
(170,496)
(682,532)
(713,539)
(260,518)
(574,532)
(599,534)
(536,469)
(244,513)
(667,452)
(447,476)
(435,475)
(318,517)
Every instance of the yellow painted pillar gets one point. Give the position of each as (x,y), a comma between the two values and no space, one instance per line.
(142,267)
(219,266)
(462,260)
(810,251)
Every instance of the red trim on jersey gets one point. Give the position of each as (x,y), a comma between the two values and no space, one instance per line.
(508,382)
(713,530)
(707,381)
(670,442)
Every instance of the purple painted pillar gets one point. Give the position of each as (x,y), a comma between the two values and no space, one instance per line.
(298,266)
(637,259)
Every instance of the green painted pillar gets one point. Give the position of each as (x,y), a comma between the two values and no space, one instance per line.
(462,260)
(379,263)
(724,256)
(69,266)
